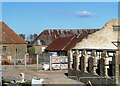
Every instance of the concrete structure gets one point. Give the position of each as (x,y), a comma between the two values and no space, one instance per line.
(13,46)
(96,58)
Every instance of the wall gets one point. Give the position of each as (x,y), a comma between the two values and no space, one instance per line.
(14,50)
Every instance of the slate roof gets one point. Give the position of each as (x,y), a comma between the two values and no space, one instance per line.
(9,36)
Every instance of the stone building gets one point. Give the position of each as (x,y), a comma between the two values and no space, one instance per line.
(13,46)
(96,57)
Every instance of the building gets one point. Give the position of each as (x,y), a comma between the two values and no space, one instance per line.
(96,58)
(13,46)
(60,46)
(48,36)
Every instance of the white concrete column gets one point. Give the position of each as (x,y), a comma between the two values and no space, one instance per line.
(94,62)
(70,59)
(37,61)
(77,59)
(106,64)
(25,59)
(50,64)
(84,61)
(117,62)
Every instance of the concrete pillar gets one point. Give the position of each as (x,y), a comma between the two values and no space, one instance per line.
(117,67)
(70,58)
(113,64)
(106,63)
(101,66)
(37,61)
(50,64)
(25,60)
(90,65)
(94,62)
(83,60)
(77,60)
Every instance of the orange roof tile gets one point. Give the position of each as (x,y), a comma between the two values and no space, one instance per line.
(9,36)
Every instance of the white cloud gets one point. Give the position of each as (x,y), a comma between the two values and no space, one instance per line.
(84,14)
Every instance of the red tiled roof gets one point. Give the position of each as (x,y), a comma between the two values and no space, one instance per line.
(9,36)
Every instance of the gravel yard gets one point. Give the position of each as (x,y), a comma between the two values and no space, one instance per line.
(50,77)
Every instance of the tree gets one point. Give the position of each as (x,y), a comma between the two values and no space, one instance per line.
(22,35)
(35,35)
(31,51)
(31,37)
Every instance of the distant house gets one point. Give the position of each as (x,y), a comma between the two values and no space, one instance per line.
(64,42)
(60,47)
(48,36)
(13,46)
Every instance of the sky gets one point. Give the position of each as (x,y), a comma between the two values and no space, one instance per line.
(34,17)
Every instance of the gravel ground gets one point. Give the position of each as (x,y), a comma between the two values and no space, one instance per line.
(50,77)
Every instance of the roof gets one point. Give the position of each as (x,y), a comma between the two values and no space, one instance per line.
(47,36)
(9,36)
(102,39)
(66,43)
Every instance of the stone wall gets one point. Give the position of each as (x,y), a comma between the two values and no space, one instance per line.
(13,50)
